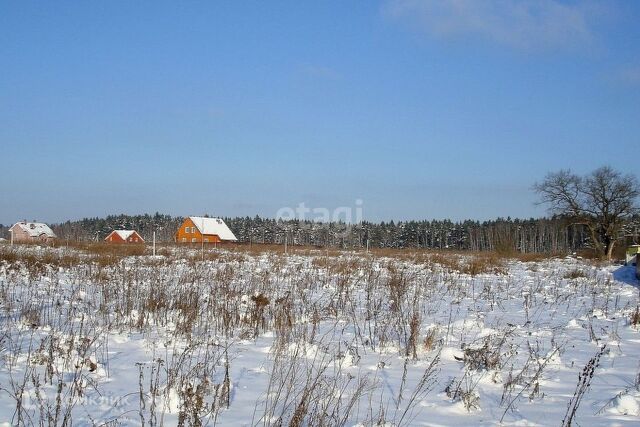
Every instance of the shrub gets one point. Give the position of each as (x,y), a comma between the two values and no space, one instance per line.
(635,317)
(575,274)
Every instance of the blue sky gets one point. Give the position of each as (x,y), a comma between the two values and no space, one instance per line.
(421,109)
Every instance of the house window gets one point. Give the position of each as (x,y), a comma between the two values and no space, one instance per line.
(206,240)
(184,239)
(193,240)
(186,230)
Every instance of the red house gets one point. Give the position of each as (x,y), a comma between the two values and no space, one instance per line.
(124,236)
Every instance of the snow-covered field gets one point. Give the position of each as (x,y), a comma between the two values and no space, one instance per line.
(315,339)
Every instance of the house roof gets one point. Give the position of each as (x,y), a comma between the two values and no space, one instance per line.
(213,226)
(124,234)
(34,229)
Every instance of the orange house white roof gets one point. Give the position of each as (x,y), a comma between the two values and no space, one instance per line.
(213,226)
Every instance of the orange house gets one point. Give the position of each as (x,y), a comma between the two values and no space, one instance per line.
(124,236)
(197,229)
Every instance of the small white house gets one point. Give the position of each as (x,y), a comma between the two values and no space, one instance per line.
(24,231)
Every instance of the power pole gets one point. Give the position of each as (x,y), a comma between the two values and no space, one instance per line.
(154,242)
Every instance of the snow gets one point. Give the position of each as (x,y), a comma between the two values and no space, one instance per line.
(213,226)
(505,347)
(627,405)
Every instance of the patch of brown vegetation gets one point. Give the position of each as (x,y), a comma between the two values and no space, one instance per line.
(635,317)
(486,263)
(575,274)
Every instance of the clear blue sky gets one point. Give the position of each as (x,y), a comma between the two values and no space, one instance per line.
(422,109)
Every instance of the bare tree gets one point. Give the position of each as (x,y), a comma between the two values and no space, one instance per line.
(601,200)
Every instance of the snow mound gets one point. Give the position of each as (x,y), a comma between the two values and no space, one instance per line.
(626,405)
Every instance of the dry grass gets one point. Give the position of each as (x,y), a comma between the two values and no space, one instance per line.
(386,295)
(489,263)
(431,339)
(103,254)
(635,317)
(591,254)
(450,262)
(575,274)
(535,256)
(38,261)
(335,261)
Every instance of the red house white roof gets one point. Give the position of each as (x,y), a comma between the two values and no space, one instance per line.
(124,234)
(213,226)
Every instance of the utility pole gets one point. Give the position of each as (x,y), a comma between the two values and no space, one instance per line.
(154,242)
(11,236)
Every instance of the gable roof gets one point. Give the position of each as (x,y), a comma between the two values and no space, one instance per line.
(34,229)
(213,226)
(124,234)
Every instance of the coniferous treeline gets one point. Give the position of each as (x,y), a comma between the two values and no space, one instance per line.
(502,234)
(533,235)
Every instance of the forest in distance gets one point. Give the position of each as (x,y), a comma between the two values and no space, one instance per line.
(554,234)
